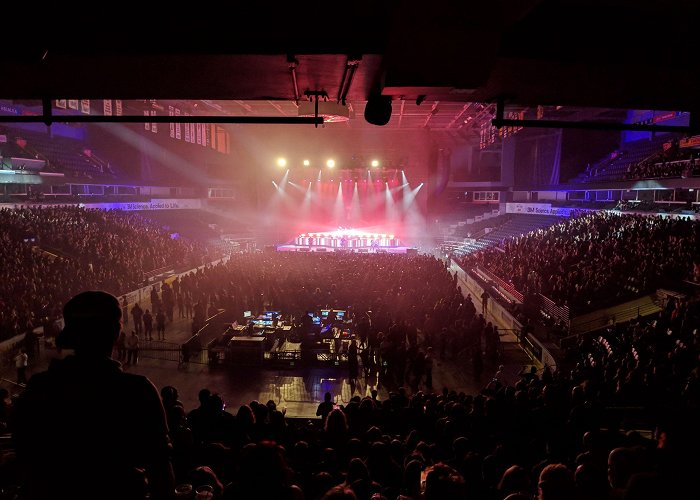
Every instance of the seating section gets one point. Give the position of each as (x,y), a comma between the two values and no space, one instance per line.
(596,259)
(62,250)
(71,157)
(519,225)
(504,228)
(617,165)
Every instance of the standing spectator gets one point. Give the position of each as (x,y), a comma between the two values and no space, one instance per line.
(155,298)
(353,366)
(31,343)
(5,409)
(188,305)
(132,348)
(160,324)
(125,310)
(198,318)
(484,303)
(121,346)
(147,325)
(137,313)
(69,453)
(21,362)
(181,305)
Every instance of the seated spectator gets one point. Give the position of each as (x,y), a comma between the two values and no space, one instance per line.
(339,492)
(442,481)
(264,474)
(556,483)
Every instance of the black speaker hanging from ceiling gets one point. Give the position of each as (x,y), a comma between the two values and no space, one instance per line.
(378,109)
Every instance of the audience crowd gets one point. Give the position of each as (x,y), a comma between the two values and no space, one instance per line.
(621,424)
(594,259)
(673,162)
(400,296)
(616,420)
(49,254)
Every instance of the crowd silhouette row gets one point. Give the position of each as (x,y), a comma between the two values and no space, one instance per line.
(553,436)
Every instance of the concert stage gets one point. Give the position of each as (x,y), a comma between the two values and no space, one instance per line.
(345,240)
(299,248)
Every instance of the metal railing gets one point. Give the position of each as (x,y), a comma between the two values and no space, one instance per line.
(595,324)
(148,276)
(508,287)
(561,313)
(158,349)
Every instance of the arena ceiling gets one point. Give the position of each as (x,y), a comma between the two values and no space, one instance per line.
(444,63)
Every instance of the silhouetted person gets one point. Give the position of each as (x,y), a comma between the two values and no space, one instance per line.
(147,325)
(84,429)
(132,349)
(137,313)
(21,362)
(325,407)
(484,302)
(160,324)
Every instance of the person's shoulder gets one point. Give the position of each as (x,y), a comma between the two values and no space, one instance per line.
(137,381)
(38,380)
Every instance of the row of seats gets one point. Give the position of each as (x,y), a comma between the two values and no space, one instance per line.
(514,225)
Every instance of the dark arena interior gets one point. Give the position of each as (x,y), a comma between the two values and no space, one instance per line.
(382,250)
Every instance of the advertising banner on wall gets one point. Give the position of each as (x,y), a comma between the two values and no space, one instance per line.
(159,204)
(542,209)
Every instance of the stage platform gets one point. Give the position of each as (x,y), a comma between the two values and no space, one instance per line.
(314,248)
(345,240)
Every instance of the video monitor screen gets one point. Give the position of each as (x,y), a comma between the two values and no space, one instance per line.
(339,314)
(325,312)
(247,314)
(316,320)
(271,314)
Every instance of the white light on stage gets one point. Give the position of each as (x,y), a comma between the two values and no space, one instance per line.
(307,163)
(281,162)
(375,163)
(330,163)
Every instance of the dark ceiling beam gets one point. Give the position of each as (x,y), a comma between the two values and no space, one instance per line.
(272,120)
